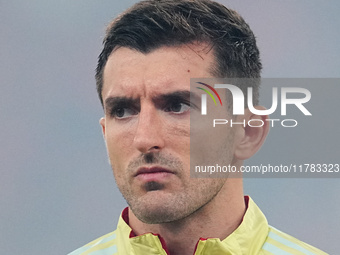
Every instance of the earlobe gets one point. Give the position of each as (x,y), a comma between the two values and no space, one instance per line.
(102,123)
(253,135)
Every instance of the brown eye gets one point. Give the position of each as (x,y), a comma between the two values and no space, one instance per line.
(177,108)
(118,112)
(122,113)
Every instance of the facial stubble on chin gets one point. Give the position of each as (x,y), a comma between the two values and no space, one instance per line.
(150,158)
(152,186)
(139,205)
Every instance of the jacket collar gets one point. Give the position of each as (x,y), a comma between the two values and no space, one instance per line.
(248,238)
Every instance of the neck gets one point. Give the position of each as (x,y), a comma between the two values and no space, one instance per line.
(217,219)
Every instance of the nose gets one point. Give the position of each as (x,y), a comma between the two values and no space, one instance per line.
(150,129)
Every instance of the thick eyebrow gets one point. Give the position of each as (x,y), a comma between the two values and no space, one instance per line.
(176,95)
(113,102)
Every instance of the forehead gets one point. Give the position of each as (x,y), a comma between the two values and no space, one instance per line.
(134,74)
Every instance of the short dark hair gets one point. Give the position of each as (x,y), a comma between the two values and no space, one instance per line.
(151,24)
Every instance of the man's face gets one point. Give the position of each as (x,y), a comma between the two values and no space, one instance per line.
(147,130)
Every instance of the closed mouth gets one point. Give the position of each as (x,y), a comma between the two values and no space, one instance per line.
(152,170)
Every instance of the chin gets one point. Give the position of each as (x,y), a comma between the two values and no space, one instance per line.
(156,216)
(157,210)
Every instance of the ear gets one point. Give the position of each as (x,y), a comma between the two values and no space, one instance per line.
(252,136)
(102,123)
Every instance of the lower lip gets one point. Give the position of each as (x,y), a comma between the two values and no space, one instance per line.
(157,176)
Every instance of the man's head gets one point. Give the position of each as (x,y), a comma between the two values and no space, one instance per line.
(143,77)
(151,24)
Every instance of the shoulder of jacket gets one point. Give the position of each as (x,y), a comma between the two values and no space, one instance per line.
(106,242)
(278,242)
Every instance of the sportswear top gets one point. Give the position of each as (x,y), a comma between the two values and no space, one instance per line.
(253,236)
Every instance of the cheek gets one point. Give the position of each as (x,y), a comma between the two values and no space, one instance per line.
(177,133)
(211,147)
(178,128)
(177,137)
(119,146)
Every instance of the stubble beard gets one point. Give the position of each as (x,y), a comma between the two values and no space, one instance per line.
(168,206)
